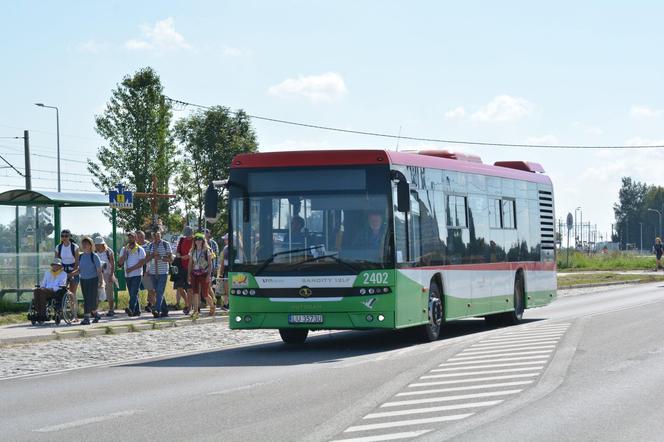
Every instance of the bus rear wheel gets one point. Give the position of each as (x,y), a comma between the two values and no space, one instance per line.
(431,331)
(516,316)
(293,335)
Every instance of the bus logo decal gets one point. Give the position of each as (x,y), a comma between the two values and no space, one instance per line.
(369,303)
(305,291)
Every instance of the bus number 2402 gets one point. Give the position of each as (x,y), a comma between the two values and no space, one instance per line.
(376,278)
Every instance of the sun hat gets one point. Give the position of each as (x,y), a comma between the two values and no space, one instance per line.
(187,231)
(225,237)
(56,262)
(199,235)
(99,240)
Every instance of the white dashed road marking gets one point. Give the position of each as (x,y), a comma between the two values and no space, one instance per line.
(498,368)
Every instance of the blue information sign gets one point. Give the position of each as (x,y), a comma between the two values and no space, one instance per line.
(120,198)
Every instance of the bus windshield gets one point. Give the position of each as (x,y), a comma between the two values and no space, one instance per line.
(310,222)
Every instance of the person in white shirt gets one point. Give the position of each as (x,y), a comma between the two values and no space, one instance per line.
(132,258)
(53,281)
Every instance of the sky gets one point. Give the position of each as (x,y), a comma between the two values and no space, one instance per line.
(509,72)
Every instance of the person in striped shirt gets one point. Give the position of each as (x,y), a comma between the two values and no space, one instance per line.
(158,251)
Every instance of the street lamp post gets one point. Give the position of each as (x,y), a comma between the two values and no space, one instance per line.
(660,220)
(575,224)
(641,246)
(57,124)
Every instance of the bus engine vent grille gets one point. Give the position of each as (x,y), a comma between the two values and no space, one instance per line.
(546,219)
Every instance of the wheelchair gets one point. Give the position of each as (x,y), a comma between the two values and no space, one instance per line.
(58,308)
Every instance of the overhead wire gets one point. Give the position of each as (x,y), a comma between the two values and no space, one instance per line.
(423,139)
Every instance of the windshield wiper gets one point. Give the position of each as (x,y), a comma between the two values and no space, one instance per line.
(274,255)
(333,256)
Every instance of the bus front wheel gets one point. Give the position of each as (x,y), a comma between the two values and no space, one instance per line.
(431,331)
(293,335)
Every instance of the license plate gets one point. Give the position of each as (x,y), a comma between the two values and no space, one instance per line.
(305,319)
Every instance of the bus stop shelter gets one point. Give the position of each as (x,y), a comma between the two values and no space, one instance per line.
(27,241)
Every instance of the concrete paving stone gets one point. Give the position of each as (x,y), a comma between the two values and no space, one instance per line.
(119,329)
(159,325)
(69,334)
(204,320)
(142,327)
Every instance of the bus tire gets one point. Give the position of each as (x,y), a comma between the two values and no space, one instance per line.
(516,316)
(293,335)
(431,331)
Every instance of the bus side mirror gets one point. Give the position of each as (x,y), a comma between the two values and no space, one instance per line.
(403,196)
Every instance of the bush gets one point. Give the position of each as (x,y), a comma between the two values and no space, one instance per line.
(7,306)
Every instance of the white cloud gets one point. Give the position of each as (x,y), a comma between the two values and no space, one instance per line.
(161,36)
(457,112)
(316,88)
(504,108)
(638,141)
(637,111)
(235,52)
(547,139)
(590,130)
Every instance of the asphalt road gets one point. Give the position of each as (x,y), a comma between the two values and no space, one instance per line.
(588,367)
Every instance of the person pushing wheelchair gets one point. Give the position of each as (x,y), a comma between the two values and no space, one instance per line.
(51,285)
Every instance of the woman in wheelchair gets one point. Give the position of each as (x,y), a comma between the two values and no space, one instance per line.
(53,287)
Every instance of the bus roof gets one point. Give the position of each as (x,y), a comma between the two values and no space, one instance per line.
(519,170)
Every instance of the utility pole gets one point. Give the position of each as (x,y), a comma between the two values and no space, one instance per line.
(26,149)
(641,246)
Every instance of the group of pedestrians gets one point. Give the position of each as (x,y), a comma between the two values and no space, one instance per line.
(147,265)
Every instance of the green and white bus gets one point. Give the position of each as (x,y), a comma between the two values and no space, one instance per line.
(366,239)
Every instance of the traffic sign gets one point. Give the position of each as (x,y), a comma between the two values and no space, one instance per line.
(120,198)
(570,222)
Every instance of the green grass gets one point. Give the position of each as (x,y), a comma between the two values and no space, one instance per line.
(12,318)
(604,277)
(609,261)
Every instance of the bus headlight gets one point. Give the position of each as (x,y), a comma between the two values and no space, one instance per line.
(252,292)
(238,319)
(381,318)
(369,318)
(247,318)
(363,292)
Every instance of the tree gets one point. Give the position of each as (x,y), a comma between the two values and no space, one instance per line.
(209,140)
(136,126)
(629,209)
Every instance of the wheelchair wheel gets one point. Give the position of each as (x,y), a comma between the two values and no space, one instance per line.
(32,315)
(68,314)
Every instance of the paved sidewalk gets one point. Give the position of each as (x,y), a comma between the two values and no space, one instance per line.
(120,323)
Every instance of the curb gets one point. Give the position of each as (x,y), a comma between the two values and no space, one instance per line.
(604,284)
(112,330)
